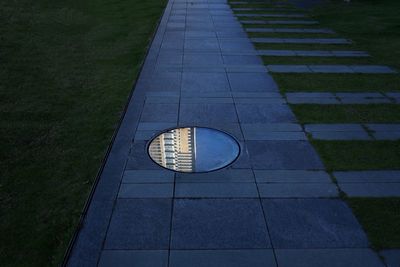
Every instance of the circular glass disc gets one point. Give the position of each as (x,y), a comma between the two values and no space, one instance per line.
(193,149)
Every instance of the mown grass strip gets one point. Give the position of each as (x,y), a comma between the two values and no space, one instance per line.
(380,218)
(359,155)
(372,113)
(294,82)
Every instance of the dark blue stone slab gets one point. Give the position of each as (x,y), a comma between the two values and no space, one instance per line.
(203,82)
(138,258)
(252,82)
(160,113)
(199,113)
(218,224)
(139,224)
(313,223)
(283,155)
(327,258)
(222,258)
(260,113)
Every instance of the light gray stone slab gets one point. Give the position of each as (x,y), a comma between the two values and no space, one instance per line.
(359,95)
(139,258)
(333,127)
(148,126)
(145,135)
(280,22)
(300,40)
(342,257)
(279,53)
(197,100)
(297,190)
(382,127)
(238,94)
(271,15)
(316,53)
(340,53)
(381,176)
(291,176)
(147,176)
(216,190)
(356,100)
(164,100)
(387,135)
(355,135)
(315,100)
(310,95)
(266,100)
(331,69)
(391,257)
(223,258)
(371,189)
(274,136)
(289,68)
(146,191)
(372,69)
(271,127)
(219,176)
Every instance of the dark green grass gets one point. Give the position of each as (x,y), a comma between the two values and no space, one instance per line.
(359,155)
(317,60)
(380,218)
(373,25)
(67,70)
(337,82)
(376,113)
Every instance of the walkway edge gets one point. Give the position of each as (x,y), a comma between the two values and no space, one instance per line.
(79,252)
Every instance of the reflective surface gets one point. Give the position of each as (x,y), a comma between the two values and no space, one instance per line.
(193,149)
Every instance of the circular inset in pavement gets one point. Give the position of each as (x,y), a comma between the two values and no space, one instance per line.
(193,149)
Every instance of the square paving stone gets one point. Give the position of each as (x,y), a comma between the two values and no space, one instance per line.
(138,258)
(146,191)
(260,113)
(206,44)
(297,190)
(220,176)
(218,224)
(205,82)
(139,224)
(291,176)
(222,258)
(313,223)
(160,113)
(327,258)
(201,113)
(139,158)
(147,176)
(164,81)
(170,58)
(242,60)
(392,257)
(202,59)
(371,189)
(236,45)
(283,155)
(216,190)
(252,82)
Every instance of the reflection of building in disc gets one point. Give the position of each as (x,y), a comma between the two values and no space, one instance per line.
(175,149)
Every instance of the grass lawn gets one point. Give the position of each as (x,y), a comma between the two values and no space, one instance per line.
(376,113)
(374,26)
(380,218)
(316,82)
(359,155)
(68,68)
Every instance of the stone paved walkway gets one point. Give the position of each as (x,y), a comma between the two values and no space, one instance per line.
(274,206)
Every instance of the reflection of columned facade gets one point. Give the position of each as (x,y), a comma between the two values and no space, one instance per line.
(175,149)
